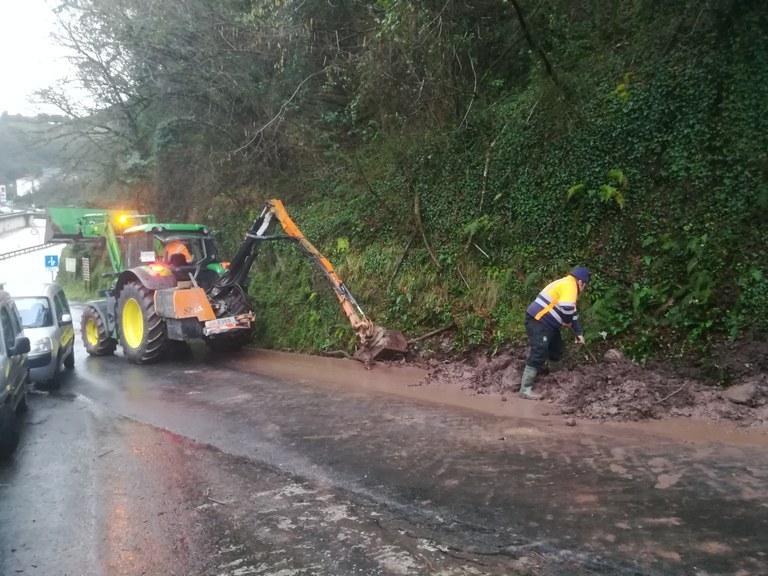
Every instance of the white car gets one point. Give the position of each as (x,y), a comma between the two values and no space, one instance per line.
(47,323)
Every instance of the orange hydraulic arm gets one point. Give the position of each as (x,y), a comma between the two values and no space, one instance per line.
(363,326)
(375,341)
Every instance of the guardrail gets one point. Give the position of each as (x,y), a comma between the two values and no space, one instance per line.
(27,250)
(16,220)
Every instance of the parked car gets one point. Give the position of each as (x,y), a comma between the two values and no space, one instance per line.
(14,374)
(47,323)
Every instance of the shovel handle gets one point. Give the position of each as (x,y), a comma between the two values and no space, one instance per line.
(590,353)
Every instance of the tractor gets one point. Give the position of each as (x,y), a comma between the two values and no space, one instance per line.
(170,284)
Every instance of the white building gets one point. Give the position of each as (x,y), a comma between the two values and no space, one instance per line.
(26,186)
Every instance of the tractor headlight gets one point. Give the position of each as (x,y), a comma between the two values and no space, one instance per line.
(41,346)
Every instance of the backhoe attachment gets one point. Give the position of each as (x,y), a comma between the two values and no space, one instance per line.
(375,342)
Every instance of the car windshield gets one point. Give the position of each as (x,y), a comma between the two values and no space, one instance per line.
(35,312)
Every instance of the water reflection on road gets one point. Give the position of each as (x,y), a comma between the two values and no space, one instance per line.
(275,463)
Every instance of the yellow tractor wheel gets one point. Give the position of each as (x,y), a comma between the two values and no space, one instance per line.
(96,339)
(142,332)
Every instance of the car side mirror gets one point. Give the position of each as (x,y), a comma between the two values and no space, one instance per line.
(21,346)
(66,319)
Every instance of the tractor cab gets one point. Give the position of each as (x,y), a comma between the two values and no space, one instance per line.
(183,248)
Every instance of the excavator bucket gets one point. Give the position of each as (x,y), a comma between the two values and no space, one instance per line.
(383,345)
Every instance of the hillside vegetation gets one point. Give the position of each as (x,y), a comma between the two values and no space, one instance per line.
(451,157)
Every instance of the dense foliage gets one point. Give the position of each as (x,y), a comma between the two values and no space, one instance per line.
(450,157)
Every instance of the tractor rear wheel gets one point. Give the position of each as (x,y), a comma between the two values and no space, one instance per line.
(96,339)
(142,332)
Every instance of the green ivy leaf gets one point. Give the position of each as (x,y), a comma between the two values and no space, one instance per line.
(342,244)
(573,190)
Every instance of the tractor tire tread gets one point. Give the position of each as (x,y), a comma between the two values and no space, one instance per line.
(156,339)
(106,345)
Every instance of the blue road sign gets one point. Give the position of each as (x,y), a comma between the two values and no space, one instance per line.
(51,261)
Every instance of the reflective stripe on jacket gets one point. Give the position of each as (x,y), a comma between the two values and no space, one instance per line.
(556,304)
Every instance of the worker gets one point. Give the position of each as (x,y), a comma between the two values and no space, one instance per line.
(177,247)
(553,308)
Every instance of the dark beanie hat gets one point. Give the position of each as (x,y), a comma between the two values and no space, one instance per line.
(582,274)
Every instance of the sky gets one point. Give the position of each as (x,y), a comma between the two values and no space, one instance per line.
(29,58)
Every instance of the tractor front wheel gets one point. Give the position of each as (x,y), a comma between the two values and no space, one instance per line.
(142,332)
(96,339)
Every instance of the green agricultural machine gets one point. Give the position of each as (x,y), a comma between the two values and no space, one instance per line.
(170,285)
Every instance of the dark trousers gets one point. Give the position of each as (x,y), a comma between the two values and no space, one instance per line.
(545,341)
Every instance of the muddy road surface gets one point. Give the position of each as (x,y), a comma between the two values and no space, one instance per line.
(285,465)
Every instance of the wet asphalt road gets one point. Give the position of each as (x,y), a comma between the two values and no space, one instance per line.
(205,466)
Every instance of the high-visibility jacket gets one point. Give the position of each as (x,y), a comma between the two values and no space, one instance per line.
(556,305)
(177,247)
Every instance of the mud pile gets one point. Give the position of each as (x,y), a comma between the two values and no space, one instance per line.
(609,387)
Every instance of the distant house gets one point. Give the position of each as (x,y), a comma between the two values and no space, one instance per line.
(26,186)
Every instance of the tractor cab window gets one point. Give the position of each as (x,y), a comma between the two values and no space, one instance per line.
(178,252)
(138,249)
(181,250)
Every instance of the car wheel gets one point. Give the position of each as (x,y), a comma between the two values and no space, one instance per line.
(53,382)
(9,431)
(69,361)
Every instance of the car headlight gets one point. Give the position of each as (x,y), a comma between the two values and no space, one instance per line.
(40,346)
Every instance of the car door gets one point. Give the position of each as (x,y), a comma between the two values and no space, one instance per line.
(5,360)
(66,332)
(15,367)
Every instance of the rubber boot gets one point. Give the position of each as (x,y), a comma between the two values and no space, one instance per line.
(526,385)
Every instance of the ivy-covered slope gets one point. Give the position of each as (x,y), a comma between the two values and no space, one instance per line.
(642,157)
(452,157)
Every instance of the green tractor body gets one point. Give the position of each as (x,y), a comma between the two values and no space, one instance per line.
(162,273)
(171,286)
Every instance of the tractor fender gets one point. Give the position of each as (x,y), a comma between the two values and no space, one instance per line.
(154,278)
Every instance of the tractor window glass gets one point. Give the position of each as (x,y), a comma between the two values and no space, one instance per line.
(138,250)
(129,249)
(210,249)
(34,312)
(179,249)
(193,249)
(198,249)
(157,248)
